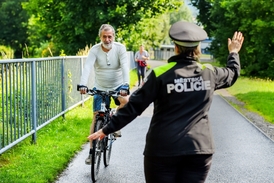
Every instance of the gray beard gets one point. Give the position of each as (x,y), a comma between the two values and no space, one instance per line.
(107,46)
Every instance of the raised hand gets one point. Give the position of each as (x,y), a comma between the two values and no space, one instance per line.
(235,44)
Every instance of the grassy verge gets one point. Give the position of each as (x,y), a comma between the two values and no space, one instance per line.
(56,144)
(257,95)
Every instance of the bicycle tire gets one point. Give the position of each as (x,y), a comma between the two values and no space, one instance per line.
(96,153)
(107,149)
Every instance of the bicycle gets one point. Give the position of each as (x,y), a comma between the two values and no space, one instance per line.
(104,145)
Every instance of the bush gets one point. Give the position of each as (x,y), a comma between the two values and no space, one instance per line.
(6,52)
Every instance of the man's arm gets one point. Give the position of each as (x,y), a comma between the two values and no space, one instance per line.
(124,62)
(87,68)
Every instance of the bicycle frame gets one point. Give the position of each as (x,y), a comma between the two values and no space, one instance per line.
(101,119)
(105,145)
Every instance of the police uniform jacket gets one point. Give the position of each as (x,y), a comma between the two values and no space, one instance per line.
(182,92)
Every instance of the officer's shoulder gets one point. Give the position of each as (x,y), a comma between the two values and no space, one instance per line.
(163,68)
(205,66)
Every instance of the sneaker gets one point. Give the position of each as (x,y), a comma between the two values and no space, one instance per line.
(117,134)
(88,160)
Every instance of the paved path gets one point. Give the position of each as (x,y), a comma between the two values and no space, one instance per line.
(243,153)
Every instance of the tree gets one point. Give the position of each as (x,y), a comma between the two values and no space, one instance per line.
(152,32)
(73,24)
(255,19)
(204,7)
(182,13)
(13,26)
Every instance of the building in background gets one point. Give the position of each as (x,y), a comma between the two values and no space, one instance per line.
(166,51)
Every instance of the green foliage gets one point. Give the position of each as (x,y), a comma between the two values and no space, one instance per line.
(148,32)
(74,24)
(39,39)
(254,18)
(57,144)
(182,13)
(42,28)
(46,49)
(13,26)
(204,7)
(6,52)
(152,32)
(84,51)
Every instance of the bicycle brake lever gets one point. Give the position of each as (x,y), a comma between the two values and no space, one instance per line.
(115,94)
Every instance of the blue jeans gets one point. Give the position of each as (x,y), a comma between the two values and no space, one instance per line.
(141,72)
(97,100)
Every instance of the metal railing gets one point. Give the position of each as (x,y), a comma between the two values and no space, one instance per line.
(34,92)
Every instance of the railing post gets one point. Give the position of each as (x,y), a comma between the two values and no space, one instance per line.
(63,86)
(33,103)
(81,73)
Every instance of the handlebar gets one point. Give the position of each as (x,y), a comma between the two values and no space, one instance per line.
(103,93)
(92,92)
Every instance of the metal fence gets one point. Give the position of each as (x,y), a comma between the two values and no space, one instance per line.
(34,92)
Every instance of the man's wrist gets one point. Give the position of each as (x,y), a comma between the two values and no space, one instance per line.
(231,52)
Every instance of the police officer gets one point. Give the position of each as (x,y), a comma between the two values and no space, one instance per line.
(179,143)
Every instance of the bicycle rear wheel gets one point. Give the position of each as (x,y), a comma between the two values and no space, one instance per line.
(96,153)
(107,149)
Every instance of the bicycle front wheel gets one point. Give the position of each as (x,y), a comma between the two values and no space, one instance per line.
(96,153)
(107,150)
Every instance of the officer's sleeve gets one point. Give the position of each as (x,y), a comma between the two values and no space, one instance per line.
(138,102)
(227,76)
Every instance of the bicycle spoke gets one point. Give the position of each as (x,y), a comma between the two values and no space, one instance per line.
(107,150)
(96,154)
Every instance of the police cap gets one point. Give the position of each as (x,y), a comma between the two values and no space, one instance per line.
(187,34)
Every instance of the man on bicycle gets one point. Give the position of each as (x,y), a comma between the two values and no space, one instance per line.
(110,63)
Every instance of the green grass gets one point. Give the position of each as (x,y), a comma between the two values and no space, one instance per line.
(56,144)
(133,77)
(257,94)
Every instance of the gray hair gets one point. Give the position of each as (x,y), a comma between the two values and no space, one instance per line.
(106,27)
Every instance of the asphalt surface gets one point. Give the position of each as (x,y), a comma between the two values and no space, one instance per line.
(243,153)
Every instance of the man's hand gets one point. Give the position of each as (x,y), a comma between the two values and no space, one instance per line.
(124,90)
(235,44)
(99,134)
(123,100)
(83,89)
